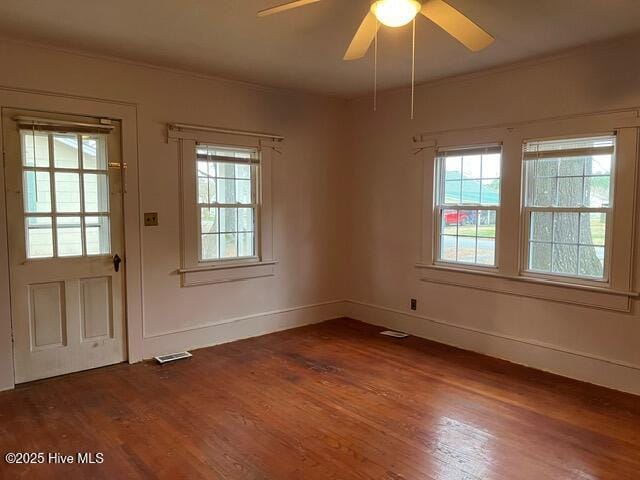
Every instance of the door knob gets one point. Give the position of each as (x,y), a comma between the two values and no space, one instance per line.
(116,262)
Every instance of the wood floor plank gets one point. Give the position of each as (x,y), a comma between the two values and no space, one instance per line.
(329,401)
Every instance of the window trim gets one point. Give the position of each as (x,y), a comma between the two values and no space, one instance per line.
(193,271)
(509,278)
(526,211)
(438,207)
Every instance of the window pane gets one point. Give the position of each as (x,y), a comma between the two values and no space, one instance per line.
(226,191)
(490,192)
(541,226)
(467,249)
(546,167)
(94,156)
(35,149)
(228,220)
(486,251)
(573,166)
(453,168)
(569,192)
(596,191)
(226,170)
(591,261)
(228,245)
(245,245)
(565,259)
(245,220)
(540,257)
(39,237)
(565,227)
(97,235)
(96,192)
(448,248)
(452,192)
(69,236)
(243,171)
(450,220)
(471,166)
(544,192)
(65,151)
(209,220)
(210,246)
(593,228)
(37,192)
(471,191)
(487,223)
(598,165)
(67,187)
(243,191)
(491,165)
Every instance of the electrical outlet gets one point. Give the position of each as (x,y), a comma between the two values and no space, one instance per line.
(414,304)
(151,219)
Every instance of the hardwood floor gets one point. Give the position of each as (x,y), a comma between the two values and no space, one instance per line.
(329,401)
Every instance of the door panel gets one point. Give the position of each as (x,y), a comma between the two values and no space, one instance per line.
(64,205)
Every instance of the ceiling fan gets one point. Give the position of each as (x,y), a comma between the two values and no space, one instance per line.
(397,13)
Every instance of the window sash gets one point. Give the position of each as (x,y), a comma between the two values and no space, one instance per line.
(254,162)
(528,241)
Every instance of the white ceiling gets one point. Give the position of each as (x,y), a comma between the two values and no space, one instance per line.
(303,48)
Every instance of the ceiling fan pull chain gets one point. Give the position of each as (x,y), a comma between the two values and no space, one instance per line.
(375,71)
(413,68)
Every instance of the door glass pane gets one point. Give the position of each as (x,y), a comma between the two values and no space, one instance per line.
(97,235)
(39,237)
(69,236)
(37,192)
(94,155)
(35,149)
(67,192)
(65,151)
(96,192)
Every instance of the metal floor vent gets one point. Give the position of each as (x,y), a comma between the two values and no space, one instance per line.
(172,357)
(391,333)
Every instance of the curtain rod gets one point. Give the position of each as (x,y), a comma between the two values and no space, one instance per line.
(201,128)
(25,120)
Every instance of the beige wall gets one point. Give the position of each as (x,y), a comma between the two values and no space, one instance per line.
(386,216)
(347,206)
(306,185)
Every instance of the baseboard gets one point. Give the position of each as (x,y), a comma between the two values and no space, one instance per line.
(577,365)
(233,329)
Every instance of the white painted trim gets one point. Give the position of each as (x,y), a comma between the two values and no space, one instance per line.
(232,329)
(127,114)
(582,366)
(243,318)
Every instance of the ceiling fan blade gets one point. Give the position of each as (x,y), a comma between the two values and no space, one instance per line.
(457,25)
(285,6)
(363,38)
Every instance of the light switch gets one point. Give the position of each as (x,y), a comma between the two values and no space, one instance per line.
(151,219)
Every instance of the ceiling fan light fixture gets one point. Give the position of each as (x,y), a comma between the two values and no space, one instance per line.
(395,13)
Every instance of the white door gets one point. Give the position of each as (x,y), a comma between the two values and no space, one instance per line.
(64,209)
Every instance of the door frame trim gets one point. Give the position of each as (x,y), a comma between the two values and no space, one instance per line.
(127,114)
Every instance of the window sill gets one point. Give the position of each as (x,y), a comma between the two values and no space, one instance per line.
(526,286)
(226,272)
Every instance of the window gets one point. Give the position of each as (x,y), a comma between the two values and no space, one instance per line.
(468,199)
(66,194)
(227,202)
(568,205)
